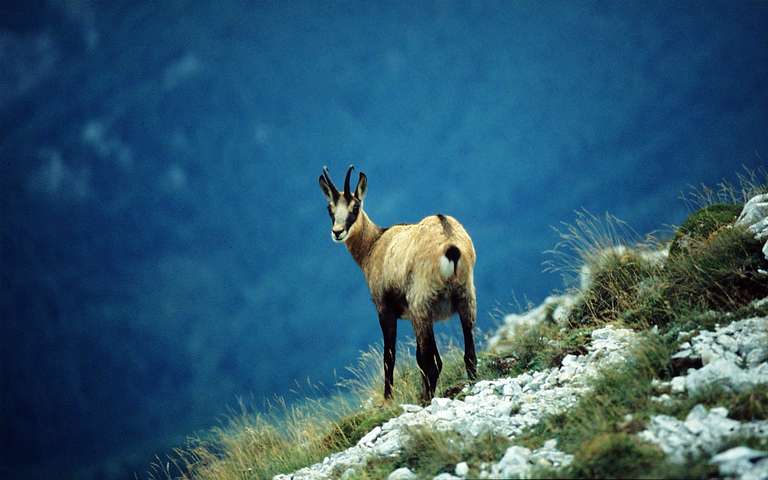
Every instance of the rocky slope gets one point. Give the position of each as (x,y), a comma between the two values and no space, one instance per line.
(505,407)
(732,357)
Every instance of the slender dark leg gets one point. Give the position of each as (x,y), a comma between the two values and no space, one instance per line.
(467,313)
(428,359)
(388,324)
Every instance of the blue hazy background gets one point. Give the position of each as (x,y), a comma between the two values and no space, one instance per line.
(165,245)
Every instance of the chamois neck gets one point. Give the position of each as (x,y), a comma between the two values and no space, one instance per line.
(361,241)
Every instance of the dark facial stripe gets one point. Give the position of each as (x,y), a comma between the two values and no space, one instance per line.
(352,217)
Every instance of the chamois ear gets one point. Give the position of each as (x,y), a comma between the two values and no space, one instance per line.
(362,187)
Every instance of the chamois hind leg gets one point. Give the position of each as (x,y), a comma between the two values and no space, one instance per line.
(467,308)
(388,324)
(428,358)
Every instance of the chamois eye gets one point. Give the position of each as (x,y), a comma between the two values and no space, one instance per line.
(330,211)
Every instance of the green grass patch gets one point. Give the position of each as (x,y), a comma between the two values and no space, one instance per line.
(721,272)
(286,438)
(348,430)
(713,265)
(750,405)
(614,455)
(538,348)
(703,223)
(617,278)
(751,310)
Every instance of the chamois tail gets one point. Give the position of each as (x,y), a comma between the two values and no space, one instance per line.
(449,262)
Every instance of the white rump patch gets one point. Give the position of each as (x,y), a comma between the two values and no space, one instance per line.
(446,267)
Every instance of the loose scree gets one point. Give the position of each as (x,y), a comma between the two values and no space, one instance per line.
(421,272)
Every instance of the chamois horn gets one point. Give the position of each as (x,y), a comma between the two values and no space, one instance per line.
(334,190)
(347,193)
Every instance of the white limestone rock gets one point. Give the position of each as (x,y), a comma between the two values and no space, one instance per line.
(369,437)
(410,408)
(554,308)
(514,464)
(734,357)
(403,473)
(677,385)
(703,432)
(742,462)
(723,373)
(518,462)
(754,212)
(348,474)
(754,216)
(446,476)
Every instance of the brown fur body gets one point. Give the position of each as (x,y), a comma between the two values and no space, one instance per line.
(402,262)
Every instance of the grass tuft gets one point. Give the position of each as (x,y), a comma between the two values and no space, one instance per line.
(748,184)
(750,405)
(703,223)
(721,271)
(584,241)
(538,348)
(255,445)
(718,270)
(615,455)
(617,277)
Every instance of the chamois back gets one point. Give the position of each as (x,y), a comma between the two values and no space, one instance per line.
(408,259)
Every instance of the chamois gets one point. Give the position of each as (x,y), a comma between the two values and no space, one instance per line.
(420,272)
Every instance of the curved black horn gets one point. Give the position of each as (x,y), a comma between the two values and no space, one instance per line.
(347,193)
(334,190)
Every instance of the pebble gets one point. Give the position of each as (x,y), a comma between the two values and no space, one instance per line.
(403,473)
(462,469)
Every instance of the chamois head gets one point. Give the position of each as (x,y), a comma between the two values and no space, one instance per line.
(344,208)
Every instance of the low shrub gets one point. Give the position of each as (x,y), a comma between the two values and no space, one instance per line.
(703,223)
(616,278)
(720,272)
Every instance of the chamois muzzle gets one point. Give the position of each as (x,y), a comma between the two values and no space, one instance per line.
(338,236)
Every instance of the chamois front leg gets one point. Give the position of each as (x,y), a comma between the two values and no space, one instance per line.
(467,308)
(428,359)
(388,324)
